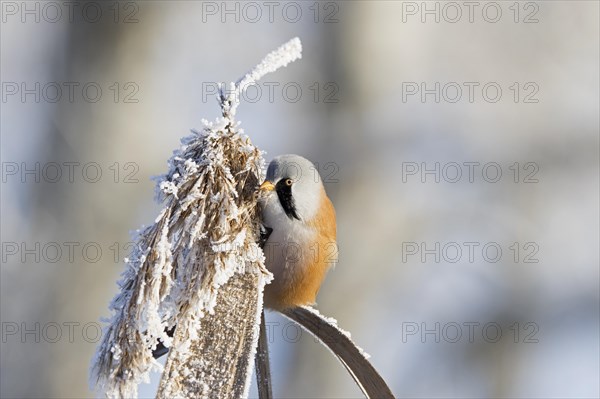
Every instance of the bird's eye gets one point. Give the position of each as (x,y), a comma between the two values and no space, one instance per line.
(288,182)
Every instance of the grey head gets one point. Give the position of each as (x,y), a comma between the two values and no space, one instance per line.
(297,184)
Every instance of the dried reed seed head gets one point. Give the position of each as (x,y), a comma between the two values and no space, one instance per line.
(206,233)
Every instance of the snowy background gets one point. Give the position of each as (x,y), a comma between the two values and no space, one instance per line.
(362,104)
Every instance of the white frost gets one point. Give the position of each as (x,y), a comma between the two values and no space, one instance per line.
(289,52)
(206,229)
(333,322)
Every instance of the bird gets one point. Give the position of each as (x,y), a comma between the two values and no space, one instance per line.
(300,232)
(298,235)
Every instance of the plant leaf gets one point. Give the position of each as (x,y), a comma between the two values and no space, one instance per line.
(351,356)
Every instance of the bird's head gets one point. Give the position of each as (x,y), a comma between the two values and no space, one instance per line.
(292,188)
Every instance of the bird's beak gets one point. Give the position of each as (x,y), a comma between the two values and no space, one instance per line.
(267,186)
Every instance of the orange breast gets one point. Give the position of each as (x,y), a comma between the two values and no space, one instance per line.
(318,257)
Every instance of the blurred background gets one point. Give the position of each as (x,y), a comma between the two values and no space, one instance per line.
(459,144)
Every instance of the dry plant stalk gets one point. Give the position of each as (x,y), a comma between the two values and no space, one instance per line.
(263,363)
(348,353)
(219,363)
(198,267)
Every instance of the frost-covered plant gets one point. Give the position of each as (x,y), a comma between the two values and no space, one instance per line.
(206,233)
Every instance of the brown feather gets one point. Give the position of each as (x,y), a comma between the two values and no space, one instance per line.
(322,254)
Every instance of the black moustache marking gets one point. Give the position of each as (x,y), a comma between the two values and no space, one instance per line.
(284,192)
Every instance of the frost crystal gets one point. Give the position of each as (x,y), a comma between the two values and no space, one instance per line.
(205,239)
(289,52)
(333,323)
